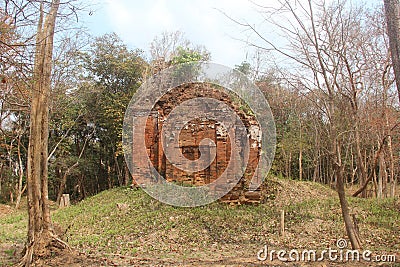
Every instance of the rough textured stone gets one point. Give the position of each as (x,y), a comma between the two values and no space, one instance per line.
(189,143)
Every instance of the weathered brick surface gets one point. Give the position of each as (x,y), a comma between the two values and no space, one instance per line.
(189,144)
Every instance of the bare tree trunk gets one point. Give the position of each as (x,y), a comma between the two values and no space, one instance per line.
(1,177)
(109,175)
(127,176)
(384,175)
(68,171)
(375,183)
(20,175)
(375,161)
(64,182)
(351,230)
(380,179)
(393,178)
(353,174)
(301,156)
(392,9)
(315,172)
(323,58)
(360,166)
(40,233)
(317,157)
(119,172)
(286,172)
(290,165)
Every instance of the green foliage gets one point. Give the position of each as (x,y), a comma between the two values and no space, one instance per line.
(186,55)
(244,68)
(118,73)
(113,66)
(88,114)
(188,61)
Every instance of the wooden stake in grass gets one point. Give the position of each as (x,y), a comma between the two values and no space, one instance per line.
(282,224)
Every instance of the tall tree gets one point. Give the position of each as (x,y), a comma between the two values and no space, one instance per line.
(172,48)
(40,232)
(326,42)
(115,72)
(392,13)
(13,106)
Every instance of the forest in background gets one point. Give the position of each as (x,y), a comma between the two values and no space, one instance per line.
(339,84)
(331,87)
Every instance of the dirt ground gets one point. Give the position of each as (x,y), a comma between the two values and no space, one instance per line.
(76,259)
(5,209)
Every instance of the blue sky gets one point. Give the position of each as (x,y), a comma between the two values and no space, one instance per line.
(138,22)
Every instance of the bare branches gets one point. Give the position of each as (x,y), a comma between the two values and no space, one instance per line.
(271,44)
(375,160)
(337,63)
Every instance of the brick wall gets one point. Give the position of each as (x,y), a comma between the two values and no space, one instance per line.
(189,143)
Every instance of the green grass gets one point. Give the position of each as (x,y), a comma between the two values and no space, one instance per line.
(96,222)
(381,213)
(149,228)
(13,227)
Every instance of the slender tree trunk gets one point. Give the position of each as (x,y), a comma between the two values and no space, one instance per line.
(40,233)
(119,172)
(109,175)
(392,9)
(1,178)
(383,174)
(68,171)
(360,161)
(81,187)
(375,182)
(380,179)
(127,176)
(393,178)
(284,156)
(354,172)
(351,229)
(315,172)
(290,165)
(301,157)
(64,182)
(317,158)
(20,175)
(375,162)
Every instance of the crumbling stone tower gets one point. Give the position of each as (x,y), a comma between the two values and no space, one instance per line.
(191,136)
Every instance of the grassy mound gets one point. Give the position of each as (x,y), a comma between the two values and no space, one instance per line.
(128,225)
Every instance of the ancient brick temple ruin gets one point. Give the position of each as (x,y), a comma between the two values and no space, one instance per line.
(195,131)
